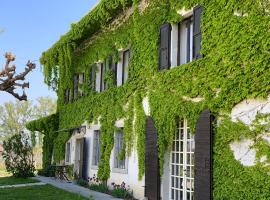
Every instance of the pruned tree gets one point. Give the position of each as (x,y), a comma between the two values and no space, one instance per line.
(9,81)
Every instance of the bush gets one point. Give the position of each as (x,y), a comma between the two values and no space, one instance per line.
(120,191)
(48,171)
(18,156)
(82,182)
(97,185)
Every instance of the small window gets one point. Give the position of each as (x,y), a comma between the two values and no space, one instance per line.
(120,164)
(68,152)
(125,63)
(185,43)
(96,148)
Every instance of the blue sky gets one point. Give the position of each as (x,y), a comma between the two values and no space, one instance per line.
(31,27)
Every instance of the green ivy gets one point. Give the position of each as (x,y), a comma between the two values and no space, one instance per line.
(234,67)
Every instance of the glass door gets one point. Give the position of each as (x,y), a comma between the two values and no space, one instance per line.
(182,164)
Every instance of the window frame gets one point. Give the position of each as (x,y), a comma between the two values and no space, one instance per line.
(188,40)
(96,148)
(68,153)
(117,150)
(124,67)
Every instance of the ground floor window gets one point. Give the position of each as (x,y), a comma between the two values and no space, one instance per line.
(120,164)
(182,164)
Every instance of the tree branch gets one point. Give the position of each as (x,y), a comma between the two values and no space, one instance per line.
(10,83)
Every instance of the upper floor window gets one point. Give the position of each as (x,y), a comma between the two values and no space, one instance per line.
(186,46)
(96,148)
(118,145)
(125,63)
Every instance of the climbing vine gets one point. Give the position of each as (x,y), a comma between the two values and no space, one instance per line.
(234,67)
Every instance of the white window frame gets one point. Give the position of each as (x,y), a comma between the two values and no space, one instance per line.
(116,151)
(188,151)
(68,154)
(95,165)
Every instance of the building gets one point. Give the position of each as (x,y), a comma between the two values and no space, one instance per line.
(170,97)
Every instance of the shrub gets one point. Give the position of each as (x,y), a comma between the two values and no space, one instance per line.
(18,156)
(96,185)
(48,171)
(82,182)
(120,191)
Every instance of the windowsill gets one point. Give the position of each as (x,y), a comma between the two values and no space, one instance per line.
(119,171)
(94,167)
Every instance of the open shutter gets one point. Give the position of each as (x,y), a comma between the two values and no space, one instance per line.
(203,157)
(93,77)
(164,46)
(197,35)
(152,175)
(75,86)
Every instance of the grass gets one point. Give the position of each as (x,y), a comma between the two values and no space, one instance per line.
(43,192)
(13,181)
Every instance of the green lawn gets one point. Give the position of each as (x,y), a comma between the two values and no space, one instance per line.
(43,192)
(9,180)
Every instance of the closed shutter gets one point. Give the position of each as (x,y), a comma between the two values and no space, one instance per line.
(101,77)
(85,159)
(203,157)
(197,35)
(92,77)
(164,46)
(152,175)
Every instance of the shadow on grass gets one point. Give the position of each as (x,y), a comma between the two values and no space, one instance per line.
(10,180)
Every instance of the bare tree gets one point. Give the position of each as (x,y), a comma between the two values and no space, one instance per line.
(9,81)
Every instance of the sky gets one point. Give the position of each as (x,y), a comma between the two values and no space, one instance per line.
(31,27)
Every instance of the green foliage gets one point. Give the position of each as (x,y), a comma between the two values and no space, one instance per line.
(82,182)
(47,126)
(101,187)
(48,171)
(235,66)
(120,191)
(231,179)
(18,156)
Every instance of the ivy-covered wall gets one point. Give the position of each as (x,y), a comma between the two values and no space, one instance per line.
(234,67)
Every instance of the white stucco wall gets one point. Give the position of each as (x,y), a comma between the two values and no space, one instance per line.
(246,112)
(129,176)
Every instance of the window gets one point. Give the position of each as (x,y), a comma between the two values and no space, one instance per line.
(181,44)
(81,81)
(96,148)
(118,144)
(110,65)
(68,152)
(182,164)
(185,43)
(125,63)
